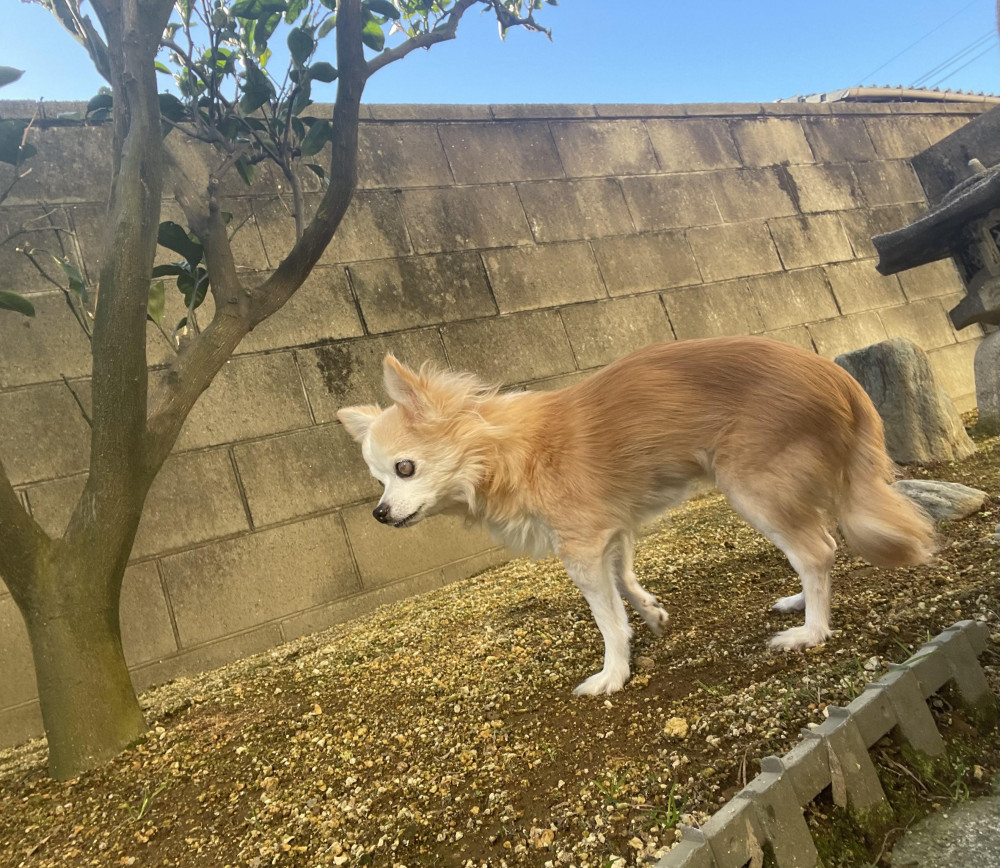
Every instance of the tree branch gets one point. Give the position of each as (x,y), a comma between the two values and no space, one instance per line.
(23,541)
(442,33)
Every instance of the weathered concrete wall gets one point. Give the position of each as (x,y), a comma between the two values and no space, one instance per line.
(527,243)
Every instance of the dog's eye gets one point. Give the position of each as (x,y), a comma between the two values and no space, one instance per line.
(405,468)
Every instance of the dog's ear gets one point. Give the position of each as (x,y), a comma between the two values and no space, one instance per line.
(402,384)
(357,420)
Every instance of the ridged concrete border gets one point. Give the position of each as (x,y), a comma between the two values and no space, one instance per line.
(769,810)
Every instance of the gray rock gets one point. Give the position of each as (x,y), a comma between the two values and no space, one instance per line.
(942,501)
(987,369)
(961,836)
(921,423)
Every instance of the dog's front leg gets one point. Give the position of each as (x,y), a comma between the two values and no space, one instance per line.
(595,578)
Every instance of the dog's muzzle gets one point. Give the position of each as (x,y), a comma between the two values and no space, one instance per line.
(381,513)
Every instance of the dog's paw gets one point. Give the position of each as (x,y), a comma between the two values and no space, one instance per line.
(794,603)
(605,681)
(798,638)
(656,620)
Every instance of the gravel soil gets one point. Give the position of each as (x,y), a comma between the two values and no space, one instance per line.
(442,730)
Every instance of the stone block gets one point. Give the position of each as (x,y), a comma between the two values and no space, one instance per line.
(931,280)
(473,565)
(646,263)
(862,225)
(854,781)
(511,349)
(843,334)
(385,554)
(545,110)
(42,434)
(591,148)
(428,112)
(693,145)
(321,309)
(733,250)
(342,374)
(603,332)
(20,723)
(753,194)
(500,152)
(898,137)
(47,229)
(793,297)
(923,322)
(42,348)
(639,110)
(525,278)
(838,140)
(827,187)
(569,210)
(954,370)
(414,291)
(713,311)
(401,155)
(858,286)
(942,501)
(797,335)
(767,141)
(251,396)
(147,631)
(671,201)
(238,584)
(462,218)
(810,239)
(723,109)
(73,165)
(18,683)
(986,365)
(305,472)
(888,183)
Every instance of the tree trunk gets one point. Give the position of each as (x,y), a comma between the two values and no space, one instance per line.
(89,706)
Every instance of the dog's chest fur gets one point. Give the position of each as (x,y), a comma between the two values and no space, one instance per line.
(524,534)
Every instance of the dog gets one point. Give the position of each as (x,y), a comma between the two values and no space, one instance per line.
(790,438)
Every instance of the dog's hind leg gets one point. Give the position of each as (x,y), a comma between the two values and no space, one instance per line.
(792,603)
(640,599)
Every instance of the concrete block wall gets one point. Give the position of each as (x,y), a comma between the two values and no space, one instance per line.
(530,244)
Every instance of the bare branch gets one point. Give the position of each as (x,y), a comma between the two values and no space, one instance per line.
(442,33)
(23,540)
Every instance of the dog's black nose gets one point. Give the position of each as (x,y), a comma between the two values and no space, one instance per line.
(381,512)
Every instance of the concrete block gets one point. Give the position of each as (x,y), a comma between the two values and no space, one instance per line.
(723,109)
(341,374)
(853,778)
(898,137)
(735,835)
(591,148)
(797,335)
(873,713)
(428,112)
(810,239)
(863,224)
(20,723)
(923,322)
(986,369)
(671,201)
(400,156)
(491,153)
(234,585)
(713,310)
(473,565)
(826,187)
(305,472)
(793,297)
(688,854)
(913,717)
(639,110)
(414,291)
(546,111)
(807,766)
(962,657)
(931,280)
(49,230)
(569,210)
(147,631)
(42,434)
(843,334)
(525,278)
(858,286)
(385,554)
(954,371)
(838,139)
(693,145)
(73,165)
(646,263)
(733,250)
(321,309)
(18,683)
(603,332)
(767,141)
(462,218)
(42,348)
(511,349)
(251,396)
(888,183)
(753,194)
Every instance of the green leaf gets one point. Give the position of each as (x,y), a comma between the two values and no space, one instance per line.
(175,237)
(318,135)
(372,36)
(157,302)
(323,71)
(162,67)
(76,283)
(172,108)
(382,7)
(257,10)
(194,287)
(301,45)
(245,170)
(257,90)
(13,301)
(327,26)
(169,270)
(295,10)
(318,170)
(302,99)
(8,75)
(101,101)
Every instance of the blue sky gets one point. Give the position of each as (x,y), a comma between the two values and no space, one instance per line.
(630,51)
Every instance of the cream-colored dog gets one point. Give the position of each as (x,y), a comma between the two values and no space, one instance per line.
(790,438)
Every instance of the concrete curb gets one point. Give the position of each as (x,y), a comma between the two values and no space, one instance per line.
(769,810)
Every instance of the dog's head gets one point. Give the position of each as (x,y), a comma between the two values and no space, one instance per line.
(427,449)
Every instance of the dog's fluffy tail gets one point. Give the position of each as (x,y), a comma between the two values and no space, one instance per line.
(879,523)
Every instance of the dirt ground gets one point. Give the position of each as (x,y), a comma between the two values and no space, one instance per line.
(442,730)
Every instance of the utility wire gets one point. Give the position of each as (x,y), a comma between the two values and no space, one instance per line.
(988,48)
(944,64)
